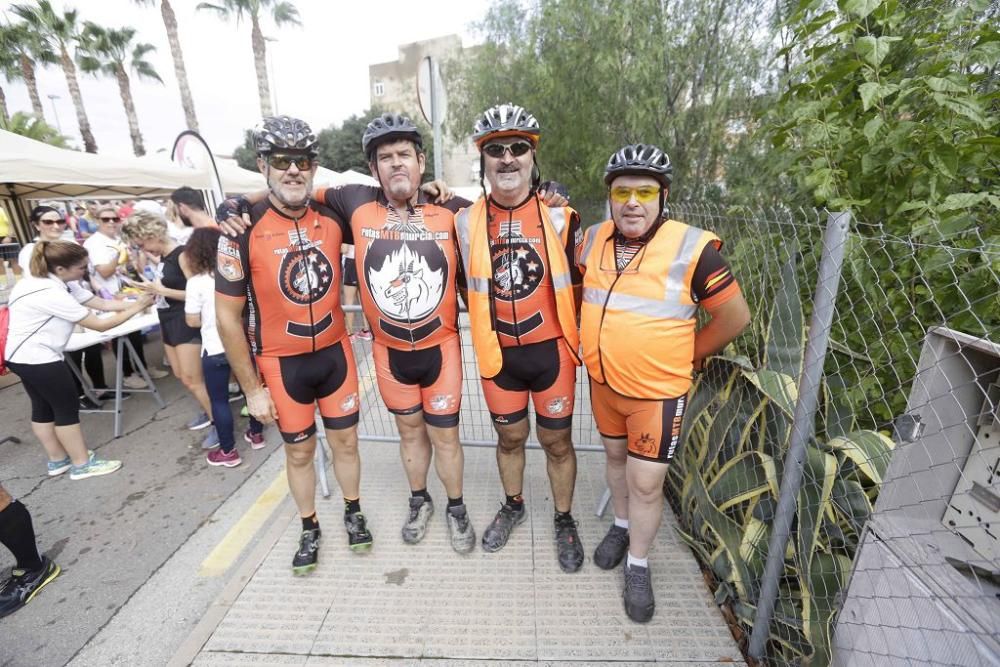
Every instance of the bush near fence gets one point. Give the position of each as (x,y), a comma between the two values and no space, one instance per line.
(724,483)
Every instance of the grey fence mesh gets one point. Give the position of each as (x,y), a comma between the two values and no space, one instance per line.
(892,555)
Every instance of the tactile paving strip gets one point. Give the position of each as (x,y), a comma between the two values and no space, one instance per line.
(401,603)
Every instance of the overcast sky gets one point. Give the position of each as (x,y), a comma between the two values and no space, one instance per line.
(320,69)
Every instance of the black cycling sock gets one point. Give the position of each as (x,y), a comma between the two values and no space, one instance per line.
(516,502)
(310,522)
(18,535)
(352,506)
(421,493)
(564,515)
(456,502)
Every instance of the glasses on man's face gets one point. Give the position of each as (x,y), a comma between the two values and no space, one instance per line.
(110,219)
(44,221)
(302,162)
(645,194)
(516,149)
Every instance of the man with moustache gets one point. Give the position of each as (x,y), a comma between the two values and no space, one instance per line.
(523,287)
(285,271)
(645,279)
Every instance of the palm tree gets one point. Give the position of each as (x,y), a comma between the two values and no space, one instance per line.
(170,23)
(10,71)
(281,11)
(111,52)
(57,33)
(33,127)
(21,45)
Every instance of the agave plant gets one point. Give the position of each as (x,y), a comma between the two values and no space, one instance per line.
(725,482)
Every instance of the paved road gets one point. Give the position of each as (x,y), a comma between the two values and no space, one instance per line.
(110,534)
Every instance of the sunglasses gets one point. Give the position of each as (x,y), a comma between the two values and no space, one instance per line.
(644,195)
(303,162)
(517,149)
(114,219)
(51,222)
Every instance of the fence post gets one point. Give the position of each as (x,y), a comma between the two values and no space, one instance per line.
(827,284)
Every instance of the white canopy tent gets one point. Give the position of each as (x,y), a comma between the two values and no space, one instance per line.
(32,170)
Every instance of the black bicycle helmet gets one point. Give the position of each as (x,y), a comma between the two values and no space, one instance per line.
(639,160)
(278,133)
(389,127)
(506,120)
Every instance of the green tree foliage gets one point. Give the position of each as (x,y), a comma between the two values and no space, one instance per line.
(340,147)
(245,154)
(892,110)
(31,126)
(679,74)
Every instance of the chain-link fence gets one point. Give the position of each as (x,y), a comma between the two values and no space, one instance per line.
(866,470)
(835,506)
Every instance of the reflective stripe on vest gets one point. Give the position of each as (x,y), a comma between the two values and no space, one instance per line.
(638,326)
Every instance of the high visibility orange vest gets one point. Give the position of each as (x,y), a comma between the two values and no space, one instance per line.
(638,326)
(474,244)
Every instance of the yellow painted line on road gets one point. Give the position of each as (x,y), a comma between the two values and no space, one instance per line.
(226,552)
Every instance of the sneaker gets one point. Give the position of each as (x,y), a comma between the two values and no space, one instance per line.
(200,421)
(23,586)
(364,334)
(256,440)
(498,532)
(415,527)
(234,389)
(94,468)
(460,530)
(612,549)
(217,457)
(134,382)
(211,440)
(568,547)
(157,373)
(87,405)
(638,594)
(244,412)
(59,467)
(358,537)
(307,556)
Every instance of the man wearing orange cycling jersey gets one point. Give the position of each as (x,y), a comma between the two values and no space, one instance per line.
(519,258)
(645,278)
(285,271)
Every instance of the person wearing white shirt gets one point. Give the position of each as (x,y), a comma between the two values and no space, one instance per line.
(199,311)
(44,308)
(51,226)
(108,257)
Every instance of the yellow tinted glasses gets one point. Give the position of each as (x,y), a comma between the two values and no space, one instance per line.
(644,195)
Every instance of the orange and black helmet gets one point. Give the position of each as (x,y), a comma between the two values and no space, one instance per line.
(505,120)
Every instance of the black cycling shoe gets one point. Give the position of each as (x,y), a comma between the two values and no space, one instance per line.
(612,549)
(23,585)
(498,532)
(358,537)
(638,593)
(307,556)
(568,546)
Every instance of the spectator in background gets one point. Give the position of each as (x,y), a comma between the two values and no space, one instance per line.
(199,312)
(108,257)
(175,228)
(44,307)
(191,208)
(6,233)
(126,208)
(181,343)
(49,225)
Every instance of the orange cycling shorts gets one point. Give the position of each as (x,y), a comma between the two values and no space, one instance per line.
(327,377)
(653,427)
(428,380)
(544,369)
